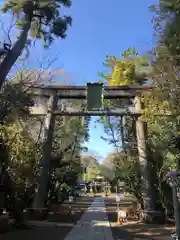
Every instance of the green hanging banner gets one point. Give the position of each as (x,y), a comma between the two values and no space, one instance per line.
(94,96)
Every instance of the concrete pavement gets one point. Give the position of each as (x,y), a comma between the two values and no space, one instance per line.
(93,225)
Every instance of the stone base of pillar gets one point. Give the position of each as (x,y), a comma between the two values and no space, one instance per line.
(150,216)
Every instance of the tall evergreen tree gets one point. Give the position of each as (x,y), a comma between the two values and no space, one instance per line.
(35,18)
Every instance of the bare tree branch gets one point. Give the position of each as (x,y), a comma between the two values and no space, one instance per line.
(7,30)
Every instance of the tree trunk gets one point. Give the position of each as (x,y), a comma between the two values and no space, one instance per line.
(16,51)
(122,133)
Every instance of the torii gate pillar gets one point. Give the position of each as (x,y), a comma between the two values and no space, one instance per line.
(148,193)
(45,162)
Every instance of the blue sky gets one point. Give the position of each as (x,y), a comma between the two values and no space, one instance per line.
(99,27)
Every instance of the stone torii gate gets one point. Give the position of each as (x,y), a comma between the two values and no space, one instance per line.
(56,93)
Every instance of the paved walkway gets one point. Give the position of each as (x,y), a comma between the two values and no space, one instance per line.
(93,224)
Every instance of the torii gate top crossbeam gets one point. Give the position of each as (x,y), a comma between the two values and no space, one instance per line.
(80,92)
(83,88)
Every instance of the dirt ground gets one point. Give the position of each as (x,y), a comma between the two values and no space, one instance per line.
(46,231)
(134,229)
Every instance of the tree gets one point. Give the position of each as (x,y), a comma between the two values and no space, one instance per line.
(40,19)
(91,166)
(107,167)
(70,133)
(166,22)
(127,71)
(23,155)
(166,53)
(165,98)
(19,133)
(14,102)
(130,69)
(161,113)
(137,170)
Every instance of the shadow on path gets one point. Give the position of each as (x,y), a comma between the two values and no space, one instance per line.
(50,231)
